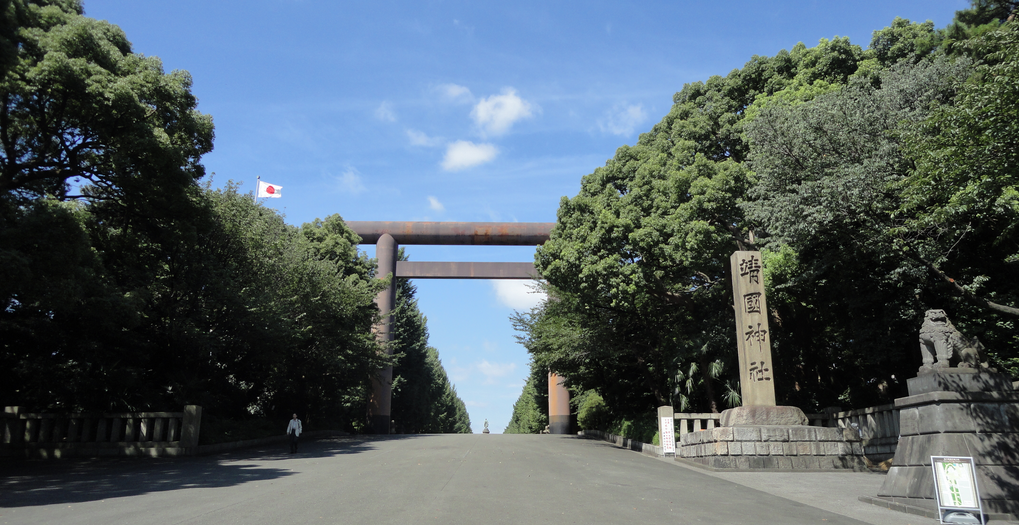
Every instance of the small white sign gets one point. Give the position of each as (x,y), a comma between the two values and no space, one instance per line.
(668,437)
(955,485)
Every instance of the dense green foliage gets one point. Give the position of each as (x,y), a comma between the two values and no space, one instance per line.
(424,401)
(128,286)
(530,412)
(877,182)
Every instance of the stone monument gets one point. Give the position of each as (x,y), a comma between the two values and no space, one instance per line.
(759,434)
(486,428)
(957,406)
(756,380)
(753,345)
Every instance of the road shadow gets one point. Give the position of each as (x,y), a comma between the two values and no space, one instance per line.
(28,483)
(317,448)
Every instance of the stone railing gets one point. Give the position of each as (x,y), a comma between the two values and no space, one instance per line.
(109,434)
(685,423)
(878,427)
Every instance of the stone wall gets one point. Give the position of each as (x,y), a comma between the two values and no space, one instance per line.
(774,447)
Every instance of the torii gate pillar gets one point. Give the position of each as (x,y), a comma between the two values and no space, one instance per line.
(558,405)
(380,403)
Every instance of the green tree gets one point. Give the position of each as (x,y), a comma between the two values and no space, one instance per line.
(638,261)
(423,398)
(80,110)
(964,189)
(79,106)
(530,411)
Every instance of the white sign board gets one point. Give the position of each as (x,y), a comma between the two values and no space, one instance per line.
(955,485)
(668,437)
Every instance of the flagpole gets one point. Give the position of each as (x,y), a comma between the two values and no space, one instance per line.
(257,179)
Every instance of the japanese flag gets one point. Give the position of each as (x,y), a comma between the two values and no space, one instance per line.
(269,190)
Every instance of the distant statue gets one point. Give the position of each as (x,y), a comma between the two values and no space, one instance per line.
(486,428)
(942,346)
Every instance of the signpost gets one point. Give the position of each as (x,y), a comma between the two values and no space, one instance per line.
(666,430)
(955,485)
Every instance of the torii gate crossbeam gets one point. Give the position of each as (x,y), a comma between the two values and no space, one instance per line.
(387,237)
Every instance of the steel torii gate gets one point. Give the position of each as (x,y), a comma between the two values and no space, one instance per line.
(387,238)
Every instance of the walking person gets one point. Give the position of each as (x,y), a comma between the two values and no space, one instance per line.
(294,430)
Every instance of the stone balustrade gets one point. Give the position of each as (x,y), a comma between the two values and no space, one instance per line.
(878,428)
(131,433)
(686,422)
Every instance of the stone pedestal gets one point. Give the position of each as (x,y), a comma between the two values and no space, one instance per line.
(762,415)
(774,438)
(779,447)
(957,412)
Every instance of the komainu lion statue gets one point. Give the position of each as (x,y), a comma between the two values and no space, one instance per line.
(942,346)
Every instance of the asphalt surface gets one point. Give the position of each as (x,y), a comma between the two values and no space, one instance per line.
(429,479)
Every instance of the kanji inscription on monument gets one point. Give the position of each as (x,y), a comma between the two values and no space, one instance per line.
(753,338)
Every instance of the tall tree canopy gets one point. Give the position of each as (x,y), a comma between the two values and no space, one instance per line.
(878,183)
(424,400)
(129,286)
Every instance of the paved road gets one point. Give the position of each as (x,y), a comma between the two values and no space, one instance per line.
(426,479)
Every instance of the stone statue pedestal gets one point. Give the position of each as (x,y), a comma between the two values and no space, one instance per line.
(771,438)
(957,412)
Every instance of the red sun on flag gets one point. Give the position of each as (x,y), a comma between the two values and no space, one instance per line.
(268,190)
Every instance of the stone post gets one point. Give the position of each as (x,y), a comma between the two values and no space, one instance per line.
(380,404)
(12,425)
(558,405)
(190,428)
(753,339)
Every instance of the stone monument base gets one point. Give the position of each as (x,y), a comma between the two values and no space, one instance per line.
(772,437)
(762,415)
(956,412)
(779,447)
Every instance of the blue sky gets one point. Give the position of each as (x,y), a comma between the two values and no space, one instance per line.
(458,111)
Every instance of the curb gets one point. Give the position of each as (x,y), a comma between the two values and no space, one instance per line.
(624,442)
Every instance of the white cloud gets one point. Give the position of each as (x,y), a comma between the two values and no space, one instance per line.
(518,294)
(385,112)
(350,181)
(623,119)
(464,154)
(493,371)
(434,204)
(418,138)
(456,93)
(495,114)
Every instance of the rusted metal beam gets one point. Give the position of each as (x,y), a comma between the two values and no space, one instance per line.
(465,270)
(451,233)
